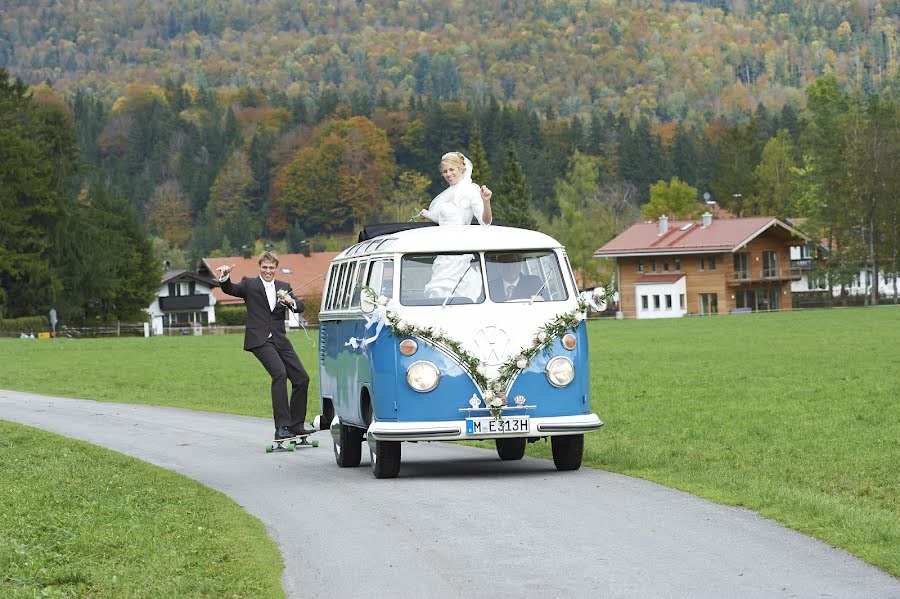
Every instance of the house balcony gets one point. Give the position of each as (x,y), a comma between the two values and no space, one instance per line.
(174,303)
(799,267)
(739,278)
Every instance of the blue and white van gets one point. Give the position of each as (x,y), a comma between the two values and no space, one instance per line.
(402,361)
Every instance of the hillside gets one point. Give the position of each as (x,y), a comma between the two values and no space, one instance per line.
(667,60)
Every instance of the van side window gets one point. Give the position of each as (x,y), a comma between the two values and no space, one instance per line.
(332,286)
(343,295)
(357,285)
(381,277)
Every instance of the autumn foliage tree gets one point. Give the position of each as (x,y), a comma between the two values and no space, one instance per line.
(169,215)
(337,181)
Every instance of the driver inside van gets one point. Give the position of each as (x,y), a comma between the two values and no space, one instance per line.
(508,282)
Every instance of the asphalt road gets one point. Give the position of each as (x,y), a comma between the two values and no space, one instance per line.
(460,523)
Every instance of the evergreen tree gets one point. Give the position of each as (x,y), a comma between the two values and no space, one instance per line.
(685,160)
(481,172)
(511,205)
(37,162)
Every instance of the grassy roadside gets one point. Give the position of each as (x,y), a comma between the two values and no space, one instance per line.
(794,415)
(81,521)
(199,373)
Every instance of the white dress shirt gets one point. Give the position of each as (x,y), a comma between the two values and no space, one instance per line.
(270,293)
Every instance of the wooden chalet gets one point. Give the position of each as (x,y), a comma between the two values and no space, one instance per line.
(669,268)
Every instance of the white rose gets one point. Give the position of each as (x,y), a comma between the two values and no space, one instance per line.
(579,316)
(496,402)
(521,363)
(402,325)
(382,300)
(488,395)
(542,336)
(481,369)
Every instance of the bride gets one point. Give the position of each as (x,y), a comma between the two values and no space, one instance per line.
(462,201)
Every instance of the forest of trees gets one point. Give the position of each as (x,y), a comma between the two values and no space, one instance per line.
(173,164)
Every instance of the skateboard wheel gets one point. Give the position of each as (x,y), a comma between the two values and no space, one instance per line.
(315,443)
(291,446)
(270,448)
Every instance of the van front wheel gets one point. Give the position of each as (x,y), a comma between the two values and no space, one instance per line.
(511,449)
(567,451)
(385,458)
(348,447)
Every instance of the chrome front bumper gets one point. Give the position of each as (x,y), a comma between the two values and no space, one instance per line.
(455,430)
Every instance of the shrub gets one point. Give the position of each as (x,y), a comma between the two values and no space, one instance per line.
(311,304)
(231,316)
(24,324)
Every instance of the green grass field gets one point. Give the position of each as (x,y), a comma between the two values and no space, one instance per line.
(794,415)
(77,520)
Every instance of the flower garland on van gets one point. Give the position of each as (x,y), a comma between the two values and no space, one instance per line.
(494,393)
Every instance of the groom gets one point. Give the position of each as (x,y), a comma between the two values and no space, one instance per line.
(266,300)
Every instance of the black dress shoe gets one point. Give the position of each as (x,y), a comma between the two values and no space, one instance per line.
(283,432)
(301,429)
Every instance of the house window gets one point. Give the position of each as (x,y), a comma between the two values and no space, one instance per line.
(681,301)
(770,264)
(762,299)
(653,264)
(656,302)
(645,304)
(668,302)
(701,266)
(640,265)
(665,266)
(712,262)
(709,303)
(742,266)
(678,264)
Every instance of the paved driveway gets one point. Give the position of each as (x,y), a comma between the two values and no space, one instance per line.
(460,523)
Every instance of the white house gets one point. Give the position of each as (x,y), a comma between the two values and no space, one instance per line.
(861,284)
(184,299)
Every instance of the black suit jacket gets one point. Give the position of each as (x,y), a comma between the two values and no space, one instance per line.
(526,286)
(261,322)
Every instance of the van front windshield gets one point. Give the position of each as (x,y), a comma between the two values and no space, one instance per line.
(436,279)
(522,276)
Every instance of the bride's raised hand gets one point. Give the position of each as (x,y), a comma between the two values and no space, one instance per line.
(486,193)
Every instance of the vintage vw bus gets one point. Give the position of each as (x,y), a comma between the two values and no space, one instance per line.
(501,354)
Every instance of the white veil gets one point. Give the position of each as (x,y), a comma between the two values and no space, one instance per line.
(464,190)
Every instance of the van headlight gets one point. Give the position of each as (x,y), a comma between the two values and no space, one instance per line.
(423,376)
(560,371)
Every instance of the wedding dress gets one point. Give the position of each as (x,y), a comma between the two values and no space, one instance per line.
(456,205)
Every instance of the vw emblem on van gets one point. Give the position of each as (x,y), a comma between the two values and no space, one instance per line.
(492,343)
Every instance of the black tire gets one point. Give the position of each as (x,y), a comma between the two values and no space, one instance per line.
(385,458)
(567,451)
(348,450)
(511,449)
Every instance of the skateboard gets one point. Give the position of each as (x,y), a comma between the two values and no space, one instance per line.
(291,443)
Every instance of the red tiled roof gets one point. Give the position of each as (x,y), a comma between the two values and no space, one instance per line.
(302,270)
(649,278)
(723,235)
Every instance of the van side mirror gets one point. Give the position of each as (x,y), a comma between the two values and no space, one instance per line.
(368,300)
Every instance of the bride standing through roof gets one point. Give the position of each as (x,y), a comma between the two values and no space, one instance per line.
(462,201)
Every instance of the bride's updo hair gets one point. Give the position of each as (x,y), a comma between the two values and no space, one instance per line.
(454,159)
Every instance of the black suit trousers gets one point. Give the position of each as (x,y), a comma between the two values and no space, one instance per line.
(282,363)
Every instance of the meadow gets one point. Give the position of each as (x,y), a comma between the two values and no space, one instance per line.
(793,415)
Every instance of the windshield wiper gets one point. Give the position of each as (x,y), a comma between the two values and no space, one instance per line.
(453,293)
(533,297)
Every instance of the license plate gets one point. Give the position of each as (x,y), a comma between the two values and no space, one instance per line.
(507,425)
